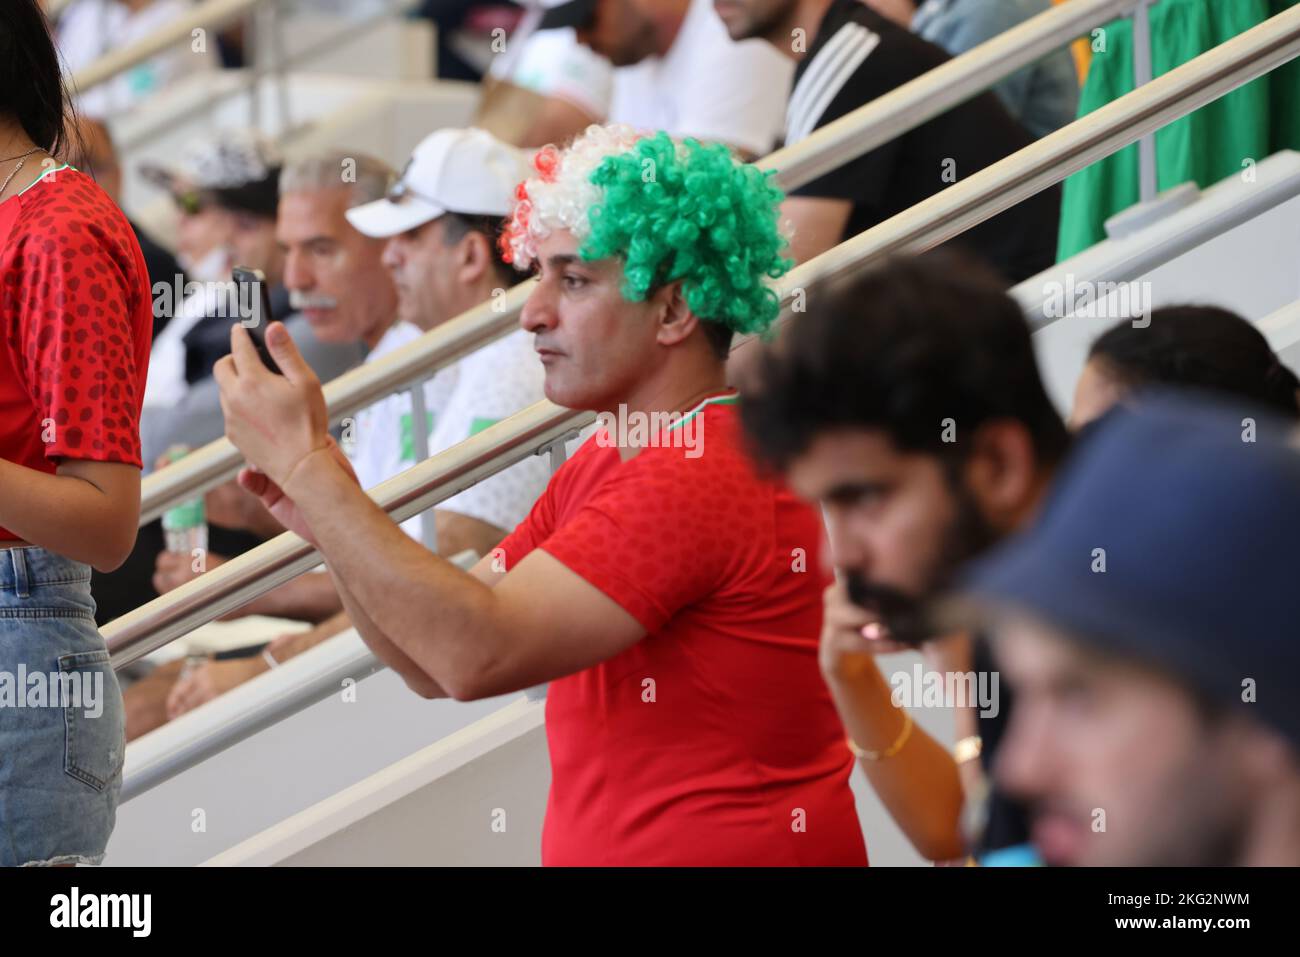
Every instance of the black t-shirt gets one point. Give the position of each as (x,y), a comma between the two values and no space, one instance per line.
(857,56)
(1006,821)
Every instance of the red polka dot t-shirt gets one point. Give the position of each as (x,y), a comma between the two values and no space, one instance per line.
(713,740)
(75,326)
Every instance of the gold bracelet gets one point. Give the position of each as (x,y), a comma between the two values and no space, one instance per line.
(968,748)
(890,751)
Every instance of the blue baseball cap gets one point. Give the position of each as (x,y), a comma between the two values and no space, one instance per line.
(1192,507)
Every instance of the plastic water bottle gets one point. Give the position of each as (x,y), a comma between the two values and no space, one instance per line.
(185,526)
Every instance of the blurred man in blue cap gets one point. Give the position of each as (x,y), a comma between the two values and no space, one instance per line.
(1148,623)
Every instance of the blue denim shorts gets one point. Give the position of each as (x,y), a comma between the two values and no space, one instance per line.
(62,724)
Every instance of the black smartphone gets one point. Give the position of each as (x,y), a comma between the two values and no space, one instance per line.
(254,298)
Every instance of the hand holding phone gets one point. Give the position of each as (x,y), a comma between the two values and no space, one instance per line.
(255,309)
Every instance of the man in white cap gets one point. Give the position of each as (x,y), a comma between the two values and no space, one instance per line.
(441,220)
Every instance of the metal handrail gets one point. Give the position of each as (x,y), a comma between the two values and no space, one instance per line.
(213,15)
(238,581)
(935,220)
(209,15)
(280,63)
(852,135)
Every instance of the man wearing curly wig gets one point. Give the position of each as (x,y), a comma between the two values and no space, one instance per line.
(671,595)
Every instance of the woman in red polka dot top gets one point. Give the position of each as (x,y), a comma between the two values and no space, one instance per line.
(75,321)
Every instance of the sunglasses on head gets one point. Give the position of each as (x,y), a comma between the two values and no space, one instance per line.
(401,189)
(190,202)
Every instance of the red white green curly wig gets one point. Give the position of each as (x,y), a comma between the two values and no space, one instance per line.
(669,210)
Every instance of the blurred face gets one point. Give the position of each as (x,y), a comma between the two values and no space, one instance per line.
(1116,763)
(335,275)
(199,234)
(434,281)
(768,20)
(897,527)
(253,243)
(594,344)
(622,31)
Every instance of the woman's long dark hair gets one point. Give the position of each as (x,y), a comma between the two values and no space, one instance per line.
(31,81)
(1203,347)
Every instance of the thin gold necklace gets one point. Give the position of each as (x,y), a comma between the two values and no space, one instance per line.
(22,161)
(10,159)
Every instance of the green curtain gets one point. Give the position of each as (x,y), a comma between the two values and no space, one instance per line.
(1206,146)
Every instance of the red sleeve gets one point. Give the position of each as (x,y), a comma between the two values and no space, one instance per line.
(655,538)
(82,295)
(533,530)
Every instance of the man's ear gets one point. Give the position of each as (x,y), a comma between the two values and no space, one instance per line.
(1002,470)
(675,319)
(474,257)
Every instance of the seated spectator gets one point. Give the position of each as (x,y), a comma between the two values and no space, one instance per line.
(1194,346)
(674,69)
(1147,622)
(1043,96)
(238,178)
(907,402)
(91,150)
(90,29)
(854,55)
(443,263)
(336,279)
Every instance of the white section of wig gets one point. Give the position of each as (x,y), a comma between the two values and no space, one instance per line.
(564,202)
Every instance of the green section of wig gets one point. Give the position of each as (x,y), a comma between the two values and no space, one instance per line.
(691,212)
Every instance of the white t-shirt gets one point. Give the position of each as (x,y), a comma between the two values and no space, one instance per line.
(88,29)
(462,399)
(706,86)
(379,441)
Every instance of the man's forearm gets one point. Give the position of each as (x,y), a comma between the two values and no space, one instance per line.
(309,597)
(394,588)
(289,646)
(387,652)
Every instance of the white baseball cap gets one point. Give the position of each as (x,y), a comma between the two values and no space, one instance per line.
(466,171)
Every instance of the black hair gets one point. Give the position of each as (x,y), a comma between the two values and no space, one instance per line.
(901,348)
(1202,347)
(719,337)
(31,78)
(456,226)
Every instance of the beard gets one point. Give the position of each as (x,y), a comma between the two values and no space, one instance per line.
(907,616)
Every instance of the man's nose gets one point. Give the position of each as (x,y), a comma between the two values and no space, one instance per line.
(1024,758)
(847,549)
(296,274)
(538,314)
(391,257)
